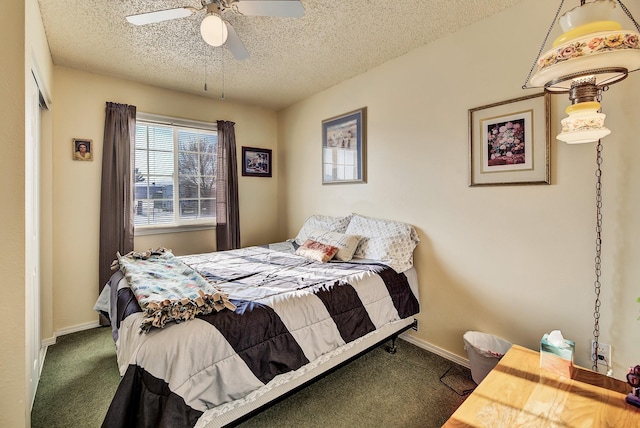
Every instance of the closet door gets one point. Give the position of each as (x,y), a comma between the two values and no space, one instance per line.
(32,238)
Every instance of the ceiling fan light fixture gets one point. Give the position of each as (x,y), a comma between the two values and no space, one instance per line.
(214,30)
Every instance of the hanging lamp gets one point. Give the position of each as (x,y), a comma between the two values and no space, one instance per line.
(592,53)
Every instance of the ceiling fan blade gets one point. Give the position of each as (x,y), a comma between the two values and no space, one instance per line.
(234,44)
(287,8)
(161,15)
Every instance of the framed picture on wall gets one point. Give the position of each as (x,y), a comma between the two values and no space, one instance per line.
(256,162)
(82,149)
(509,142)
(343,148)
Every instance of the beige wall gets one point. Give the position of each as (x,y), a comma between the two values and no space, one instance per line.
(78,112)
(512,261)
(179,243)
(13,409)
(26,52)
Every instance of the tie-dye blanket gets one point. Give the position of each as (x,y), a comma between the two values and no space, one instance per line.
(167,289)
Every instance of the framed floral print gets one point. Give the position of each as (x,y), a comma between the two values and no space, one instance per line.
(509,142)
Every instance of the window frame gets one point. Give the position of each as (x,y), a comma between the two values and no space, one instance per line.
(184,226)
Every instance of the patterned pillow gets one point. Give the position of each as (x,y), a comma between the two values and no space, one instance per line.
(316,251)
(321,222)
(391,242)
(346,244)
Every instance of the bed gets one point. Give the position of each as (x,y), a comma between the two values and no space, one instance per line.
(288,313)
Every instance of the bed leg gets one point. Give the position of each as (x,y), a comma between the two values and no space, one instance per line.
(392,348)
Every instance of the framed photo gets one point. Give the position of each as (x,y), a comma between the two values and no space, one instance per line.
(82,149)
(510,142)
(343,148)
(256,162)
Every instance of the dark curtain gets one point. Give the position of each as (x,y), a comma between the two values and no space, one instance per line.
(227,207)
(116,198)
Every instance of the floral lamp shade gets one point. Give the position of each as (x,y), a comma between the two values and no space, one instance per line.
(584,124)
(592,52)
(591,44)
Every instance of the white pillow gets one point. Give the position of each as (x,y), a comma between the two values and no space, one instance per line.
(390,242)
(346,244)
(321,222)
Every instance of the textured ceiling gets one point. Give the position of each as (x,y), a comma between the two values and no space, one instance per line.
(289,58)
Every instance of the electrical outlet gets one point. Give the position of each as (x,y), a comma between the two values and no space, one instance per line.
(604,353)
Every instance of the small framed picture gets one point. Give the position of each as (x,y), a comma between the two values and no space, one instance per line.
(509,142)
(343,148)
(256,162)
(82,149)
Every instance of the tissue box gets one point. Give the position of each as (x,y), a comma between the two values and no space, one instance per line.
(557,359)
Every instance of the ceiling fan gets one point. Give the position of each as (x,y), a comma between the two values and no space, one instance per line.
(216,31)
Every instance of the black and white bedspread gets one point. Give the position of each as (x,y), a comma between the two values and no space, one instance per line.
(290,311)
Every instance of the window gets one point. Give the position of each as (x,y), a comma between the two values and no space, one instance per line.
(174,173)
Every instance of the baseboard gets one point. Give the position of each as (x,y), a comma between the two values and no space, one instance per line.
(49,341)
(73,329)
(436,350)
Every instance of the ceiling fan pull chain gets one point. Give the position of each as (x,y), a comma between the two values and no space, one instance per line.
(222,67)
(205,73)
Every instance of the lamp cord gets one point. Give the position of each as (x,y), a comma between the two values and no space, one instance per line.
(598,260)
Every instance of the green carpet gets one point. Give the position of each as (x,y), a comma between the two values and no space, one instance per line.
(80,376)
(78,380)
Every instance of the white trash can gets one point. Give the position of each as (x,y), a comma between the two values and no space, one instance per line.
(484,352)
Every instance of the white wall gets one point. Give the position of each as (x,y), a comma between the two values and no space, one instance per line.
(78,112)
(514,261)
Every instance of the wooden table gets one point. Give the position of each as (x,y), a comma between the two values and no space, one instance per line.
(517,393)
